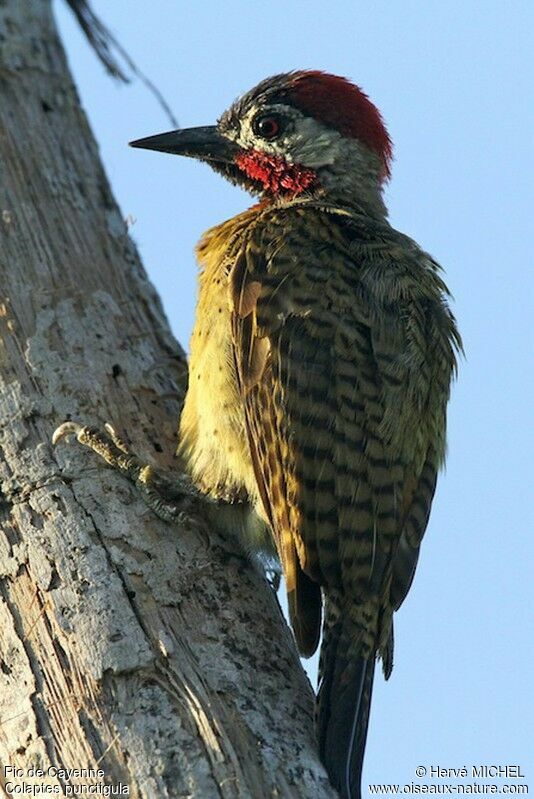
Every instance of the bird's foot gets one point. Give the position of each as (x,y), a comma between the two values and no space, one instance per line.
(169,496)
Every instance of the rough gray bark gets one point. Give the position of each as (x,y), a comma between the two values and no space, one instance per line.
(153,652)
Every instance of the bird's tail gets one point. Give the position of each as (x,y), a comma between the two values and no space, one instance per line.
(346,682)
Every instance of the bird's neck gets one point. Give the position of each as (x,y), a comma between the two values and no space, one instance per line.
(352,183)
(349,197)
(354,180)
(368,203)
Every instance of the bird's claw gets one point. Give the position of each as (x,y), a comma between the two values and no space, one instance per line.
(162,493)
(64,430)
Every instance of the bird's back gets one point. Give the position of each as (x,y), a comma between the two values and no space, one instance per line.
(320,370)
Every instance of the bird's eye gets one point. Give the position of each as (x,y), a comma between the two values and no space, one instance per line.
(268,126)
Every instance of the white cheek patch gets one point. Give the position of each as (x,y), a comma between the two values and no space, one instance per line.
(249,140)
(307,142)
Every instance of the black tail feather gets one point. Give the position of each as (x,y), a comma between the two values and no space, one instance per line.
(344,703)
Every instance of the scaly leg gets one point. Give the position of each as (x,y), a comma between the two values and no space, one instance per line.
(164,494)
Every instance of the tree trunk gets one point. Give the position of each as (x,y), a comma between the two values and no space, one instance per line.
(151,654)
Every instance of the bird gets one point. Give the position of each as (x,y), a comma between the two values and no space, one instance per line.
(320,369)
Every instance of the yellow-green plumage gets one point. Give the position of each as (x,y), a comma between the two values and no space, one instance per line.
(330,356)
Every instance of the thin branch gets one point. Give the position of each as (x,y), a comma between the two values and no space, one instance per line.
(106,46)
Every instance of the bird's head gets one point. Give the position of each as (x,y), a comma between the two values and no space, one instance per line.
(305,132)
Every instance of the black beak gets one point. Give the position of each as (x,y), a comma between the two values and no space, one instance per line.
(205,143)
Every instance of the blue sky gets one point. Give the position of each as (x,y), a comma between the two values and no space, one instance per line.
(454,83)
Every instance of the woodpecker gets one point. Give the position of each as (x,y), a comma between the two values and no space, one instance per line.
(320,369)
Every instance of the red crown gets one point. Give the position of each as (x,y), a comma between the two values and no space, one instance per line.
(338,103)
